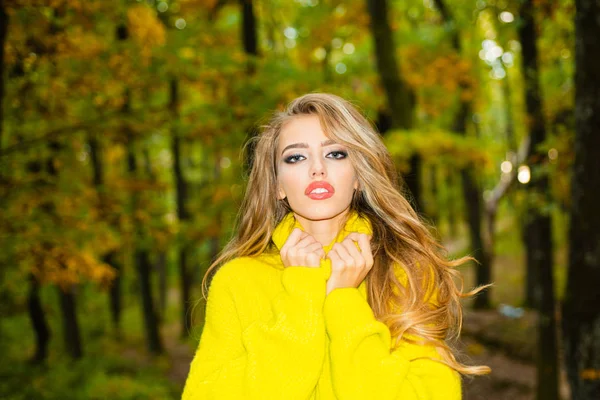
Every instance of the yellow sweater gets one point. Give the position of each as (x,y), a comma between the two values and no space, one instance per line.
(272,333)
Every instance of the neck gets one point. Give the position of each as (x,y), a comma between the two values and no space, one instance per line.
(324,230)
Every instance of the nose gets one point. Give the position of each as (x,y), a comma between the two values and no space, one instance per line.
(317,169)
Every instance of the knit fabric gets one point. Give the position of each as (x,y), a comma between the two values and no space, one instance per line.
(272,333)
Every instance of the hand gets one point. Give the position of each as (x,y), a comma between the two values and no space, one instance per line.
(301,250)
(349,266)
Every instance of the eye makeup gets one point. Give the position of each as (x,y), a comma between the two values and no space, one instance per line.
(339,154)
(335,155)
(293,158)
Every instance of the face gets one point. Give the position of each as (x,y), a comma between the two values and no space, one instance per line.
(314,172)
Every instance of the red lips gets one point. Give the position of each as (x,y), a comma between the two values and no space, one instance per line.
(325,192)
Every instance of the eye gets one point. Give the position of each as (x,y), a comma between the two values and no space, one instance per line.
(294,158)
(338,154)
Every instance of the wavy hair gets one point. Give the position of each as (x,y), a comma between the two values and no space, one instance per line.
(403,247)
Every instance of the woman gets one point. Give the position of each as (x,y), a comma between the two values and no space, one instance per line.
(332,288)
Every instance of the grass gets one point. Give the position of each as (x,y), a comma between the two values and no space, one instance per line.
(116,368)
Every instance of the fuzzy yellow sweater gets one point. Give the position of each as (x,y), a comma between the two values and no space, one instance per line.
(272,333)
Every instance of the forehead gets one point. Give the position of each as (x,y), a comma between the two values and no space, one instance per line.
(305,129)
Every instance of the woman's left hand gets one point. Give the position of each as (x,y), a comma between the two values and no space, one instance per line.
(349,265)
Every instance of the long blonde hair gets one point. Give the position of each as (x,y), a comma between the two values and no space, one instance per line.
(400,239)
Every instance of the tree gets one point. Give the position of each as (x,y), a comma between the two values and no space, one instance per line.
(141,252)
(111,257)
(538,226)
(581,314)
(249,33)
(3,30)
(66,291)
(181,191)
(472,193)
(400,98)
(38,320)
(104,200)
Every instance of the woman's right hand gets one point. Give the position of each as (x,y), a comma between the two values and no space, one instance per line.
(301,250)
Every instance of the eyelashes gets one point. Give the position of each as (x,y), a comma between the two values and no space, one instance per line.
(339,154)
(293,159)
(336,155)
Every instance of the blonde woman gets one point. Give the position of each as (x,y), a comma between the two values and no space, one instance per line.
(332,288)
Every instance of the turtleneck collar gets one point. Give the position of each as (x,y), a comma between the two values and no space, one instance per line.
(355,223)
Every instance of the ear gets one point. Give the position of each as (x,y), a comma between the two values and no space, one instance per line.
(281,193)
(355,183)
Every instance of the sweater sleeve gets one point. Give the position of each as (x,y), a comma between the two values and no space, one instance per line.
(363,366)
(280,358)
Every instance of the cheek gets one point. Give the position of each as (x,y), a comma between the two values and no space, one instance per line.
(284,178)
(289,179)
(348,175)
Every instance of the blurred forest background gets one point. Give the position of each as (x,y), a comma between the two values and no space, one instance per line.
(122,125)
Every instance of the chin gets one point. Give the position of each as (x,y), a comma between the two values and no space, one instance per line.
(320,212)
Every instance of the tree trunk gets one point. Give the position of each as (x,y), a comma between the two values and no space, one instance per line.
(181,191)
(115,291)
(581,314)
(215,241)
(531,278)
(161,268)
(397,92)
(38,321)
(249,33)
(452,202)
(538,227)
(144,268)
(185,278)
(472,196)
(510,123)
(413,183)
(537,130)
(399,96)
(160,263)
(141,252)
(3,30)
(35,309)
(70,325)
(433,209)
(72,336)
(547,353)
(250,43)
(111,257)
(472,193)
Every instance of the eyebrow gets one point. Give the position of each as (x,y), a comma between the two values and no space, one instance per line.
(305,145)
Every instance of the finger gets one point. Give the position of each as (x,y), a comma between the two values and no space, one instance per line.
(334,257)
(364,244)
(349,245)
(291,241)
(356,236)
(313,248)
(296,235)
(360,237)
(365,249)
(343,254)
(313,260)
(305,241)
(321,252)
